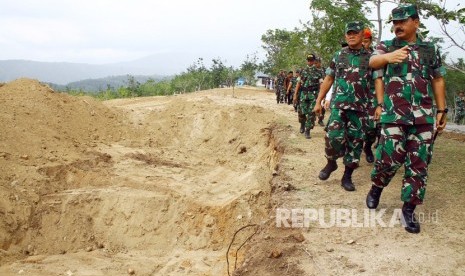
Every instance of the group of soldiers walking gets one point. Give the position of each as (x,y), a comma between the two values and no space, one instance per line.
(385,93)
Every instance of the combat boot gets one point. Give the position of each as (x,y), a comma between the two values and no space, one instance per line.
(330,167)
(346,181)
(410,221)
(373,197)
(302,127)
(368,153)
(307,133)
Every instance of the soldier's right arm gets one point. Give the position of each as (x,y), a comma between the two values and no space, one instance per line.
(379,90)
(324,88)
(296,92)
(380,58)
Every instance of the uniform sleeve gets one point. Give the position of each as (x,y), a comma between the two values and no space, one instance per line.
(331,70)
(380,50)
(438,69)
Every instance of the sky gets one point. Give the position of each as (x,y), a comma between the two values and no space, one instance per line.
(109,31)
(104,31)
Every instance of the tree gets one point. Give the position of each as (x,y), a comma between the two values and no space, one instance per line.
(326,30)
(284,50)
(248,69)
(133,86)
(218,72)
(199,74)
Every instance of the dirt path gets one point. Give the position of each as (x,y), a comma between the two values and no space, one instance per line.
(159,186)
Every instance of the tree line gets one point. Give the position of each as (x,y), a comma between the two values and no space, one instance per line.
(196,77)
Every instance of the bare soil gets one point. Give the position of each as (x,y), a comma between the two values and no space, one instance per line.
(184,185)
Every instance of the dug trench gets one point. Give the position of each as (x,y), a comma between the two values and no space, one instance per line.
(154,186)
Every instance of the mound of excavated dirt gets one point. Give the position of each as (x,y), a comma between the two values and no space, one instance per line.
(159,185)
(42,128)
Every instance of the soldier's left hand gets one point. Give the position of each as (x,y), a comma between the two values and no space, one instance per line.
(441,125)
(377,115)
(317,108)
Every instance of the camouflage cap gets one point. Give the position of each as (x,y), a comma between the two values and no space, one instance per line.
(403,12)
(355,26)
(311,57)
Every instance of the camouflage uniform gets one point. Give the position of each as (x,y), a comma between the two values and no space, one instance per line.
(311,78)
(352,76)
(407,117)
(294,81)
(459,109)
(372,129)
(280,89)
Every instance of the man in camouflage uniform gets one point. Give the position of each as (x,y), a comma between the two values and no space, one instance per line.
(413,73)
(291,89)
(350,74)
(287,83)
(372,129)
(296,100)
(459,108)
(280,89)
(308,86)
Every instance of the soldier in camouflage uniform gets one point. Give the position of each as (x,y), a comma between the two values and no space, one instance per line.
(459,108)
(351,76)
(296,100)
(287,83)
(308,86)
(291,89)
(413,73)
(280,89)
(372,129)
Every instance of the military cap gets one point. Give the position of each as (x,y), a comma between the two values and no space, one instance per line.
(403,12)
(311,57)
(355,26)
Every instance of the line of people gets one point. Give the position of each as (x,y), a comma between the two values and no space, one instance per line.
(386,93)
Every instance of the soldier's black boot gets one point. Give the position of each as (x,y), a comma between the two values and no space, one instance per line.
(330,167)
(302,127)
(373,197)
(307,133)
(346,181)
(368,153)
(411,222)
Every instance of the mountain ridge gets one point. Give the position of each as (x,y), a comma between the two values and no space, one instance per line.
(63,73)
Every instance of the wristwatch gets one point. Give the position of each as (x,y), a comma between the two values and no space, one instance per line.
(445,110)
(380,104)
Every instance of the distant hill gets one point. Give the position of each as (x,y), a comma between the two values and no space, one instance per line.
(63,73)
(95,85)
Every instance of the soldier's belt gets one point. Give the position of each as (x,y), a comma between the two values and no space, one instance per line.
(310,88)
